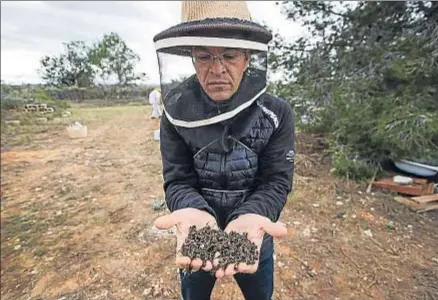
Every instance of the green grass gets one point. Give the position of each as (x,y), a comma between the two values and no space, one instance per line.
(40,251)
(29,128)
(102,114)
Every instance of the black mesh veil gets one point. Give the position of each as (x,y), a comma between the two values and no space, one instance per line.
(184,101)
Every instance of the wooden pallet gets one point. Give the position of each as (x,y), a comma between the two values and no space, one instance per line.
(420,204)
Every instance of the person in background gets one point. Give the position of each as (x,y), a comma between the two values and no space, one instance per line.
(155,100)
(227,146)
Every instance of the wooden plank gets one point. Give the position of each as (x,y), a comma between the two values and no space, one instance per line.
(428,189)
(418,207)
(410,189)
(409,203)
(425,199)
(429,206)
(420,180)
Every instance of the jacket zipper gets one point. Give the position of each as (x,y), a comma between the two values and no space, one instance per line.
(223,175)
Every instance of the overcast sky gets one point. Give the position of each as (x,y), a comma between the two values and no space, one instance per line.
(32,29)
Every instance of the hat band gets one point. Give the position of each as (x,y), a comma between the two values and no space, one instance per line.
(209,42)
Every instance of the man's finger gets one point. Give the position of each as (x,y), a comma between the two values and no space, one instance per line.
(208,266)
(248,269)
(220,273)
(277,230)
(251,269)
(242,268)
(229,271)
(165,222)
(196,264)
(182,261)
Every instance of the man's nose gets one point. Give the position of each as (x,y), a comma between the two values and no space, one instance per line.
(217,67)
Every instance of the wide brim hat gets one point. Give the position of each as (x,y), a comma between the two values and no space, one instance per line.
(213,23)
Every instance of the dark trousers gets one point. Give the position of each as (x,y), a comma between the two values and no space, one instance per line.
(257,286)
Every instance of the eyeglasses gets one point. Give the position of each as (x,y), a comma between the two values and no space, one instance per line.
(230,57)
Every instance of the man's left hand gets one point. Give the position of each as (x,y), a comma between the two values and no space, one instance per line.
(256,226)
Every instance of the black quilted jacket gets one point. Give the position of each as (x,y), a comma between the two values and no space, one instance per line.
(242,165)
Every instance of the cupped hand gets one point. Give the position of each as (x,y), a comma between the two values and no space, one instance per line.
(255,226)
(183,219)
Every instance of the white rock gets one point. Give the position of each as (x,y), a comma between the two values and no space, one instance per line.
(306,232)
(368,233)
(42,120)
(339,203)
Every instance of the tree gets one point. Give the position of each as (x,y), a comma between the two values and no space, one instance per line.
(371,71)
(81,64)
(72,68)
(111,56)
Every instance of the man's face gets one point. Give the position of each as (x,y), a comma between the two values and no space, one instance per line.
(220,70)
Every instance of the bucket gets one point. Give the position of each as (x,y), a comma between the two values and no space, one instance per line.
(77,131)
(157,135)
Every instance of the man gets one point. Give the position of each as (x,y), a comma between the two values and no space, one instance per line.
(227,146)
(154,100)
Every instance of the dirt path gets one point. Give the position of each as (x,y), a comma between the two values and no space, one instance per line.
(76,224)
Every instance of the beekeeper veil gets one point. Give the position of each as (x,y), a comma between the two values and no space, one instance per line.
(222,25)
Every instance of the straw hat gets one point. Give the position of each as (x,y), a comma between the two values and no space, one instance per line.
(200,10)
(215,19)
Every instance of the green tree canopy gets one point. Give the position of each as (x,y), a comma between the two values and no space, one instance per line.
(112,56)
(82,65)
(368,74)
(71,68)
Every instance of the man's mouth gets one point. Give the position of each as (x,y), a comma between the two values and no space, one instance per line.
(217,83)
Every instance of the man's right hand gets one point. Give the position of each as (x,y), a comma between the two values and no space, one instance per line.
(183,219)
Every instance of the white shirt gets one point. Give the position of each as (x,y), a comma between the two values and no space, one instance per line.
(154,97)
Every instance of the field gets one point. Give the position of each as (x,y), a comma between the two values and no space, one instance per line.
(76,222)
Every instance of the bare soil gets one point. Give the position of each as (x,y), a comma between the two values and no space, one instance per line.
(76,222)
